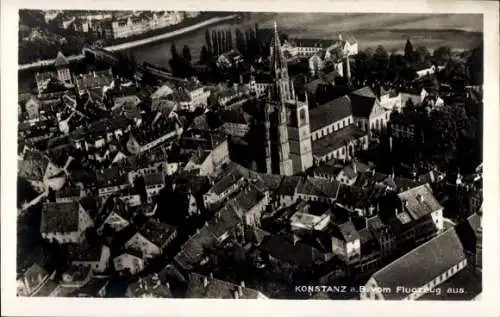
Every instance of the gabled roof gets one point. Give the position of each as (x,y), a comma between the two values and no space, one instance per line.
(363,100)
(284,250)
(346,231)
(247,199)
(92,288)
(33,166)
(84,252)
(419,201)
(330,112)
(336,140)
(60,60)
(149,286)
(157,232)
(216,288)
(60,217)
(319,187)
(422,264)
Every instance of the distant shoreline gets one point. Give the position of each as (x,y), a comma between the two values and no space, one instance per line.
(136,43)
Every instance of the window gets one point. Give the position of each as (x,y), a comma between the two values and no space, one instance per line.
(343,151)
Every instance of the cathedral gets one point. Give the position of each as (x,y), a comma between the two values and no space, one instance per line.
(288,148)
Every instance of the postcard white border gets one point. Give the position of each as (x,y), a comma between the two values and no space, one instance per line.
(487,306)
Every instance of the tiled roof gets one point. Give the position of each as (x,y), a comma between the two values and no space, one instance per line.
(92,205)
(95,80)
(346,231)
(154,179)
(368,179)
(362,101)
(149,286)
(247,198)
(319,187)
(32,274)
(227,181)
(336,140)
(60,217)
(78,273)
(225,219)
(288,185)
(282,249)
(84,252)
(127,105)
(159,129)
(419,201)
(359,197)
(330,112)
(312,87)
(233,116)
(194,249)
(112,176)
(439,254)
(216,288)
(93,287)
(33,166)
(467,280)
(467,232)
(157,232)
(47,289)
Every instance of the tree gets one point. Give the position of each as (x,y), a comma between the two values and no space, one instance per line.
(205,56)
(173,51)
(221,41)
(215,44)
(208,40)
(408,50)
(240,41)
(475,65)
(442,54)
(422,54)
(186,53)
(229,40)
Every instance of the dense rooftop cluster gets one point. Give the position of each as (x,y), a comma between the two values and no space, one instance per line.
(171,189)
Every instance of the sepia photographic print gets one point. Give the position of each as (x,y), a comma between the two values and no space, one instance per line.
(241,154)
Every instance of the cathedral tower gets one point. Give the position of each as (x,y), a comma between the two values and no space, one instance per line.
(276,112)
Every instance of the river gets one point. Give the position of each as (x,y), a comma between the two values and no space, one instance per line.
(460,32)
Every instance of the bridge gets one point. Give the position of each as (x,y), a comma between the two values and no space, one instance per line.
(100,54)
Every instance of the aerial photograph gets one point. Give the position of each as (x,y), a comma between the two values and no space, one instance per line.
(249,155)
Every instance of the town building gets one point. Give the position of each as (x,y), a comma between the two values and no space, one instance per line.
(129,261)
(200,286)
(64,222)
(152,238)
(150,286)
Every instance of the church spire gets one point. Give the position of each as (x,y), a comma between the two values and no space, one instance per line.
(279,70)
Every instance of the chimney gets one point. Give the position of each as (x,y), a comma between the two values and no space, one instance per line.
(236,295)
(93,74)
(205,282)
(340,37)
(355,167)
(242,284)
(240,290)
(211,276)
(420,198)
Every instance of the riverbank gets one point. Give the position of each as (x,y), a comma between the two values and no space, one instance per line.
(137,43)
